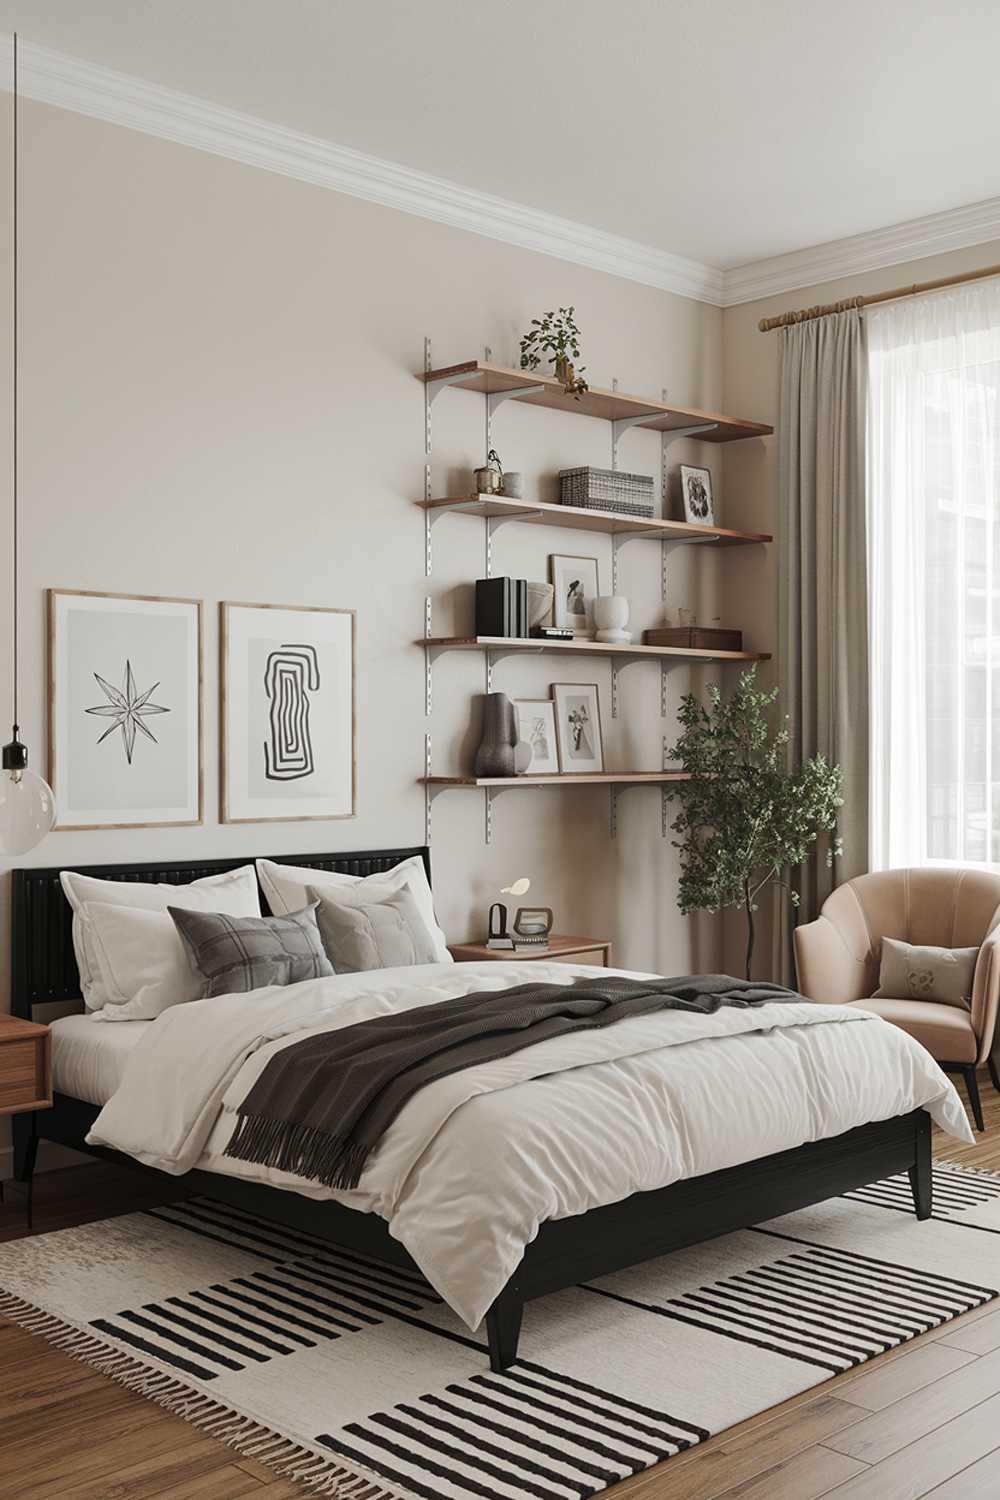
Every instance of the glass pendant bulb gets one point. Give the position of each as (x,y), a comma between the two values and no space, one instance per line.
(27,803)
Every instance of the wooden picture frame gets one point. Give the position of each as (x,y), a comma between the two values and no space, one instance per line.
(292,694)
(576,735)
(563,570)
(93,789)
(540,764)
(696,493)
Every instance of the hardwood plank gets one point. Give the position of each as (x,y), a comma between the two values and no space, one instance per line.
(914,1471)
(976,1482)
(808,1475)
(712,1469)
(156,1475)
(885,1432)
(881,1386)
(219,1484)
(979,1338)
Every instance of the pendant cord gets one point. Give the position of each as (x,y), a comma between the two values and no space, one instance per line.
(14,454)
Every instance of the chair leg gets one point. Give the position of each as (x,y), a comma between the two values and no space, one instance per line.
(972,1087)
(994,1075)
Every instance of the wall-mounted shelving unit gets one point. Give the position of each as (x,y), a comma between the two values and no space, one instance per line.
(498,383)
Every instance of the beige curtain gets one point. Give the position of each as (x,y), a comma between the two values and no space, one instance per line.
(823,593)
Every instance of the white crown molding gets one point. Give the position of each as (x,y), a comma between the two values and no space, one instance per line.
(90,89)
(954,229)
(70,83)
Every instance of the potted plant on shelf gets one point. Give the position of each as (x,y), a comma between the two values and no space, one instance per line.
(746,817)
(557,337)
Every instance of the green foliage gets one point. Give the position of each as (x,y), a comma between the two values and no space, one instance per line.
(557,337)
(746,818)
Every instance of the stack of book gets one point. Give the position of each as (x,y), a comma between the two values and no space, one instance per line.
(502,607)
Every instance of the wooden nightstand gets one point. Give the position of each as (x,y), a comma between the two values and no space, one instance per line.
(25,1077)
(581,950)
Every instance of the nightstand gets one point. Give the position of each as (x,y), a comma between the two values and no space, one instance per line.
(581,950)
(25,1076)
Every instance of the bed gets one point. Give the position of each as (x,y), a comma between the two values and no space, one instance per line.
(554,1249)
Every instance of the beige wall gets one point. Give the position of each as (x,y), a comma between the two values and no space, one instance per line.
(219,401)
(750,385)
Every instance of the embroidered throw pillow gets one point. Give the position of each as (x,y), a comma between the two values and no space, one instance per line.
(943,975)
(238,954)
(368,933)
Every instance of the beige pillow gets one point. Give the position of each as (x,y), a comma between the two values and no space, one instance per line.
(285,887)
(366,932)
(234,892)
(943,975)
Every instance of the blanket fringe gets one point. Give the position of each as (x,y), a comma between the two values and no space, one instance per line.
(336,1161)
(289,1459)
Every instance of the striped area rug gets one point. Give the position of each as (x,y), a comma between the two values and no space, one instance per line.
(354,1378)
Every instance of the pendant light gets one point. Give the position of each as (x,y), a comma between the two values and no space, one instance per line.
(27,806)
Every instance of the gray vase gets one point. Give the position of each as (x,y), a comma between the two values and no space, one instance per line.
(496,753)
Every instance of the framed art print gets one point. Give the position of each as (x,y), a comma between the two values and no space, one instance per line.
(578,727)
(536,726)
(125,746)
(287,713)
(696,489)
(575,587)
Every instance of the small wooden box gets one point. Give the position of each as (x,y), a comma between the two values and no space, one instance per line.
(694,638)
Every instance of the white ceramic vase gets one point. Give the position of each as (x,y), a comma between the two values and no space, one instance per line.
(611,617)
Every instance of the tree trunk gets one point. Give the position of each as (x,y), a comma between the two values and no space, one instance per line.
(748,903)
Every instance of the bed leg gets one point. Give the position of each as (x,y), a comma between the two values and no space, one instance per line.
(25,1131)
(921,1181)
(503,1327)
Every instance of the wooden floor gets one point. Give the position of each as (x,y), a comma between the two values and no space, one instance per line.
(923,1421)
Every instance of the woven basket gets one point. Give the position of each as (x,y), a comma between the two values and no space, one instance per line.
(607,489)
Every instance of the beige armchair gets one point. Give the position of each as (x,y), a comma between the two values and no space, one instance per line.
(838,957)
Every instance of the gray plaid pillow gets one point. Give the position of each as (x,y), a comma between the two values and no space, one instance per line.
(238,954)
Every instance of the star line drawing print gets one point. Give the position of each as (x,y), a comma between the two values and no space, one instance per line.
(127,708)
(291,674)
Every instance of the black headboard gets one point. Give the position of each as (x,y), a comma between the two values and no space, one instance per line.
(42,962)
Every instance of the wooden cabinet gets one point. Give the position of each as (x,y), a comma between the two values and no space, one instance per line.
(25,1066)
(570,950)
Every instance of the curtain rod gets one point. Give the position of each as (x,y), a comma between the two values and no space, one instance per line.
(806,314)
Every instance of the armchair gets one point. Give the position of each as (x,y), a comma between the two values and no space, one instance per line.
(838,957)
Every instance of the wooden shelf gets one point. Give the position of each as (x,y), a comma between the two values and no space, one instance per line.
(544,513)
(492,379)
(564,778)
(585,648)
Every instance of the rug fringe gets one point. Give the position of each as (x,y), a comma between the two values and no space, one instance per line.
(289,1459)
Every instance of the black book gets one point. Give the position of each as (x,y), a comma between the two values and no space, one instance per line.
(521,610)
(494,607)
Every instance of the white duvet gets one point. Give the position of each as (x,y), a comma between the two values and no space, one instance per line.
(475,1162)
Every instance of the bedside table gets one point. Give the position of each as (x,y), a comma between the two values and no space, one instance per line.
(581,950)
(25,1076)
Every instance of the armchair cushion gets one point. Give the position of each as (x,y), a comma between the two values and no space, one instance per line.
(945,1030)
(927,973)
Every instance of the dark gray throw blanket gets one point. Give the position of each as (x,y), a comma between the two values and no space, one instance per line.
(322,1105)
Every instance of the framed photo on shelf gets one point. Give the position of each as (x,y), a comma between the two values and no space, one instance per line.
(578,727)
(536,726)
(575,587)
(125,730)
(288,749)
(696,490)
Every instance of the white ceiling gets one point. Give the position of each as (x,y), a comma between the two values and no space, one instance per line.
(725,131)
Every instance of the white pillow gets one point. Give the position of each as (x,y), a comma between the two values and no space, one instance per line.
(143,962)
(286,888)
(234,892)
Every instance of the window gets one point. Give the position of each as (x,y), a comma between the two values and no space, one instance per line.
(934,578)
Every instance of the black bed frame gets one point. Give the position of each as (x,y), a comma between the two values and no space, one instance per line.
(565,1251)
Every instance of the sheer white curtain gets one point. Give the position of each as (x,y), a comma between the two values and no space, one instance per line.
(934,578)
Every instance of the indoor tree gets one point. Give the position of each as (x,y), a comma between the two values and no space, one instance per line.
(747,817)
